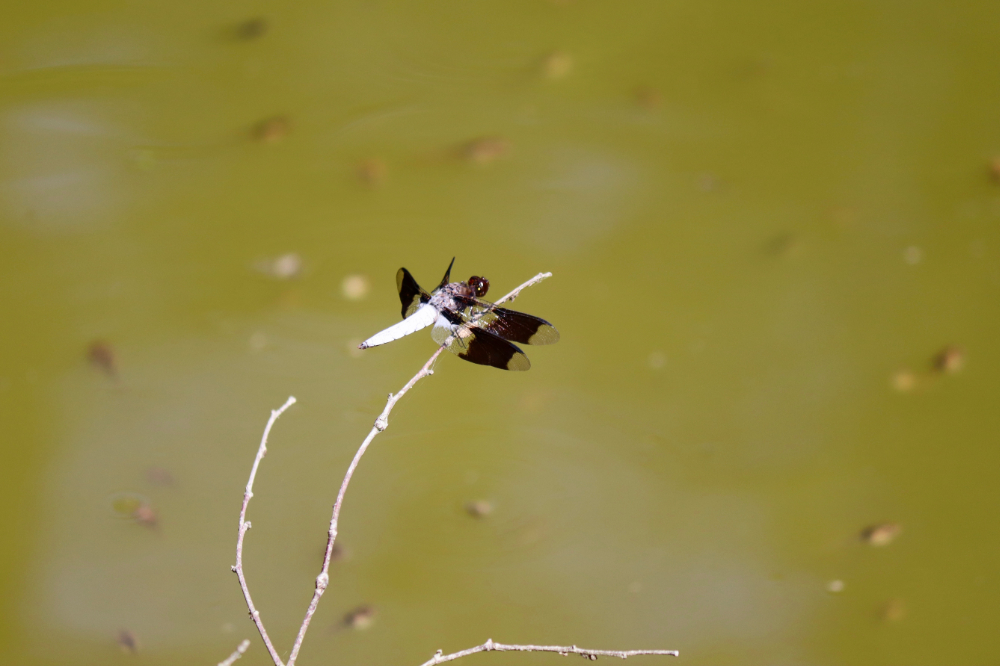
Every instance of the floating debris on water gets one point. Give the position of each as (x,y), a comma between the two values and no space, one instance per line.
(355,287)
(133,506)
(479,508)
(835,586)
(949,360)
(146,516)
(102,356)
(484,150)
(250,29)
(656,360)
(557,65)
(271,130)
(372,172)
(284,267)
(881,534)
(124,504)
(994,168)
(127,641)
(905,381)
(893,610)
(361,617)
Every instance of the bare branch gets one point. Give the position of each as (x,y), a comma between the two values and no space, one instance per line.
(381,423)
(323,579)
(245,525)
(490,646)
(240,649)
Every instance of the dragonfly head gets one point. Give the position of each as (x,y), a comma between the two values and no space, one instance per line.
(480,285)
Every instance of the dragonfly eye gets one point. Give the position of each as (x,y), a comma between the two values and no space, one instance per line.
(479,284)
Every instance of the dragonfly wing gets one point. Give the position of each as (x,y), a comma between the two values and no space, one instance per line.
(518,327)
(479,346)
(410,293)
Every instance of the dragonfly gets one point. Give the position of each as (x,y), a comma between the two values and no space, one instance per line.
(481,332)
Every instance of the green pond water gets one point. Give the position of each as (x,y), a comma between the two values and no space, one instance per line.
(764,222)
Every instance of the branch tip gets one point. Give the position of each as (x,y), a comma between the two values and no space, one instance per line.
(240,649)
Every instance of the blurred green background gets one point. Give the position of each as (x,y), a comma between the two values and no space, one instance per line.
(766,223)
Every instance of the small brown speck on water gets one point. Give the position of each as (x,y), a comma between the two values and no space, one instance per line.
(949,360)
(271,130)
(372,172)
(127,641)
(881,534)
(479,508)
(994,167)
(557,65)
(254,28)
(905,381)
(484,150)
(102,356)
(361,617)
(893,610)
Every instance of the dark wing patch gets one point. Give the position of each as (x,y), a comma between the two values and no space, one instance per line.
(447,274)
(410,293)
(482,347)
(518,327)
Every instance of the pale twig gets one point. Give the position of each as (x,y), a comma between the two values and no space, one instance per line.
(240,649)
(517,290)
(245,525)
(490,646)
(381,423)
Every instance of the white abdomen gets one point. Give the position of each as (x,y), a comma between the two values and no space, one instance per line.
(425,315)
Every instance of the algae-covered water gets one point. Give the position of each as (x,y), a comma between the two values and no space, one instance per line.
(775,240)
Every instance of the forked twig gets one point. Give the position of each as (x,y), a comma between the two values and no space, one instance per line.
(245,525)
(381,423)
(490,646)
(323,579)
